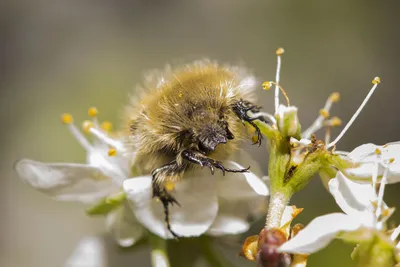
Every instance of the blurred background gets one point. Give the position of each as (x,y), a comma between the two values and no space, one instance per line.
(65,56)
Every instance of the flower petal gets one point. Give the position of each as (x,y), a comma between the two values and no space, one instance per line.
(90,252)
(254,182)
(367,157)
(319,233)
(107,165)
(66,181)
(228,225)
(363,151)
(241,185)
(353,198)
(198,210)
(124,226)
(232,218)
(245,159)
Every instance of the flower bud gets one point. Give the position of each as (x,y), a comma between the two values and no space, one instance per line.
(288,121)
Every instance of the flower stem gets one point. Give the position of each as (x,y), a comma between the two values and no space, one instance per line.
(159,255)
(212,256)
(277,205)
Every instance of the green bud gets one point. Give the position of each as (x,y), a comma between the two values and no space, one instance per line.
(107,204)
(288,122)
(378,250)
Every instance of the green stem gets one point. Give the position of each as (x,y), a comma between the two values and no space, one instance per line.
(277,205)
(159,255)
(213,257)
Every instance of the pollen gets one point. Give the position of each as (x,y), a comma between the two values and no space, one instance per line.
(324,113)
(112,152)
(376,80)
(66,118)
(335,121)
(267,85)
(180,95)
(378,151)
(391,160)
(280,51)
(254,138)
(106,126)
(334,97)
(169,186)
(87,125)
(92,112)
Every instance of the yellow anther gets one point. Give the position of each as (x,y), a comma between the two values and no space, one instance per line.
(66,118)
(376,80)
(334,97)
(92,112)
(169,186)
(280,51)
(386,212)
(391,160)
(106,126)
(267,85)
(324,113)
(180,95)
(112,152)
(378,151)
(335,121)
(87,125)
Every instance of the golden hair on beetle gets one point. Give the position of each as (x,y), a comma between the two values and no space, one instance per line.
(189,116)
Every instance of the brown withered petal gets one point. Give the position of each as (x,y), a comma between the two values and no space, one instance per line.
(268,256)
(250,248)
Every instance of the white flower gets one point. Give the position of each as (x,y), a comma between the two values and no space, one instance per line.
(357,202)
(212,204)
(207,202)
(372,158)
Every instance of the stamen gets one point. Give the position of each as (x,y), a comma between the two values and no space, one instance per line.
(279,53)
(92,112)
(382,191)
(68,120)
(395,233)
(267,85)
(323,115)
(334,97)
(335,121)
(103,137)
(328,135)
(280,88)
(375,81)
(112,152)
(106,126)
(87,125)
